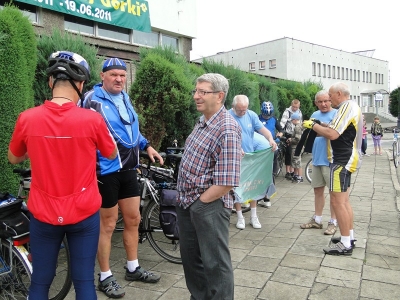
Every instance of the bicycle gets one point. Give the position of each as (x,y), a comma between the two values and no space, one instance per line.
(280,158)
(308,170)
(152,180)
(15,258)
(396,147)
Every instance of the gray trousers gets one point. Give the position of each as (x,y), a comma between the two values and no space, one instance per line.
(204,245)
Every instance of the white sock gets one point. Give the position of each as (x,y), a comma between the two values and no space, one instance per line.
(318,219)
(346,241)
(239,214)
(334,221)
(254,212)
(104,275)
(131,265)
(352,234)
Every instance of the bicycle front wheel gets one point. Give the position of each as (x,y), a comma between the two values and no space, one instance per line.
(62,280)
(14,284)
(308,171)
(166,248)
(395,154)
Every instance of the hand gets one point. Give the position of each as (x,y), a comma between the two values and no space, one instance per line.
(308,124)
(273,145)
(154,154)
(316,121)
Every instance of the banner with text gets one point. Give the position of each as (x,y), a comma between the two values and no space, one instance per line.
(255,175)
(131,14)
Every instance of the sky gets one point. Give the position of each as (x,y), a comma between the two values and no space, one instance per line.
(352,25)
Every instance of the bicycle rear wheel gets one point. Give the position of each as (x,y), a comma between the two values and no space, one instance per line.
(166,248)
(395,154)
(280,160)
(308,170)
(62,280)
(15,284)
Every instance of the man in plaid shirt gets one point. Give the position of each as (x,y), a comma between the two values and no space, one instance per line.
(209,169)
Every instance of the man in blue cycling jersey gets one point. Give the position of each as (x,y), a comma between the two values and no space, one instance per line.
(117,178)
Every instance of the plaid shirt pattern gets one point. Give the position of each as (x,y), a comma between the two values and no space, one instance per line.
(212,157)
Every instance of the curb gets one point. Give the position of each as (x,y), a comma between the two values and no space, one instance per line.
(395,180)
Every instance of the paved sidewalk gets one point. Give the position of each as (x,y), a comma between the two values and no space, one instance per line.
(282,261)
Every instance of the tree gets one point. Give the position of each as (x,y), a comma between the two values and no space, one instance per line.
(394,102)
(17,65)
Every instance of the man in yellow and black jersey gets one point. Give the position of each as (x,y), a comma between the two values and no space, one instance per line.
(344,153)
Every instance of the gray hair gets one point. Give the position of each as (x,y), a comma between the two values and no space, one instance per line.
(218,82)
(320,93)
(243,99)
(341,87)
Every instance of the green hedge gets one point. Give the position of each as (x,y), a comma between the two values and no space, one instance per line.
(17,65)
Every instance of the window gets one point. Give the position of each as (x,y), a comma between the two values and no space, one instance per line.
(78,24)
(113,32)
(366,77)
(261,65)
(358,72)
(314,69)
(376,78)
(252,66)
(370,77)
(319,70)
(382,79)
(170,41)
(30,11)
(333,72)
(146,38)
(329,71)
(347,74)
(363,76)
(324,70)
(272,64)
(355,75)
(351,74)
(342,72)
(338,72)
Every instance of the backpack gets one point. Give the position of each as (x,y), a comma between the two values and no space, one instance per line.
(168,216)
(13,222)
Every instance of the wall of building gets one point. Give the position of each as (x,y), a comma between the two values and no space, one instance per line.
(302,61)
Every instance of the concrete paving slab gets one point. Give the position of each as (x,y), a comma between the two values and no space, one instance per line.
(379,290)
(339,277)
(278,291)
(294,276)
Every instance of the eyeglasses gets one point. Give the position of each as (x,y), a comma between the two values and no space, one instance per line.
(202,93)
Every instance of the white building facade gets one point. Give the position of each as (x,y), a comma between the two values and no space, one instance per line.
(287,58)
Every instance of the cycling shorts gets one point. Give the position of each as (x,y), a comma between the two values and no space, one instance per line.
(339,178)
(116,186)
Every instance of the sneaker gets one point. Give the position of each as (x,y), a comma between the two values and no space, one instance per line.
(240,223)
(338,249)
(297,179)
(141,274)
(311,224)
(265,202)
(110,287)
(331,229)
(289,176)
(255,223)
(336,240)
(294,178)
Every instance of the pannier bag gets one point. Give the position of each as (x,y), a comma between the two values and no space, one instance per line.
(168,216)
(13,222)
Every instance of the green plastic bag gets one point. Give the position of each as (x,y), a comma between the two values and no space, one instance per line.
(255,176)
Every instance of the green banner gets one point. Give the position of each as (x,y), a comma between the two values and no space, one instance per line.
(132,14)
(255,176)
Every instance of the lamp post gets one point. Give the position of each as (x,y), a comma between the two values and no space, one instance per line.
(398,106)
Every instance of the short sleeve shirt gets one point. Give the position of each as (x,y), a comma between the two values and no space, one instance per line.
(345,150)
(212,157)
